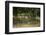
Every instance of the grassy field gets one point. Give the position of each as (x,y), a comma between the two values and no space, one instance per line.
(34,23)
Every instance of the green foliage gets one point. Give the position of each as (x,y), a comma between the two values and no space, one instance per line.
(26,11)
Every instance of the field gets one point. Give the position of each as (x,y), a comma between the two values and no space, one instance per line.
(27,23)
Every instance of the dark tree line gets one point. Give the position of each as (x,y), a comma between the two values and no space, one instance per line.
(27,11)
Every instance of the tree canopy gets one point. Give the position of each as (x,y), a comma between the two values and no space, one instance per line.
(26,11)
